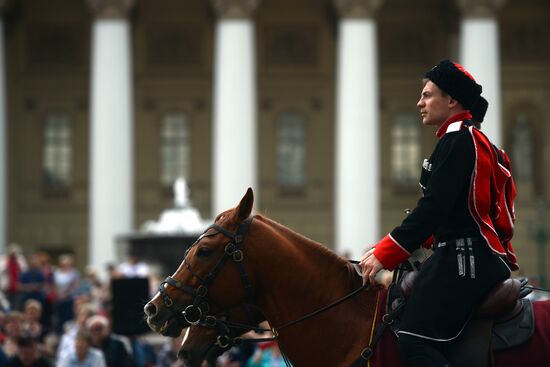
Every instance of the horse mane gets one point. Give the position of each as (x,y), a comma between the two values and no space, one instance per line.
(316,246)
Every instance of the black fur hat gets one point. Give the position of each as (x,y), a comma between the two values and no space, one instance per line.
(454,80)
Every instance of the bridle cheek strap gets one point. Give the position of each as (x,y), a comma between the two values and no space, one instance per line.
(194,312)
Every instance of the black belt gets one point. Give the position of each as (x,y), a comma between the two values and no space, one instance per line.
(456,242)
(464,254)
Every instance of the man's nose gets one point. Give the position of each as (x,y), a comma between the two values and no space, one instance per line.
(420,103)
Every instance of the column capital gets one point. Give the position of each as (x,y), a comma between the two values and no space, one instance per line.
(235,9)
(480,8)
(357,8)
(110,9)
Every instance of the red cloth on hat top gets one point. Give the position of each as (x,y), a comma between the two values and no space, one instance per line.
(464,71)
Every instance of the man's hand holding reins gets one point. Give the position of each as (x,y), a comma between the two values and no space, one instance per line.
(370,266)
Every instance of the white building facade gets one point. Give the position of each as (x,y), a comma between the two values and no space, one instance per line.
(312,103)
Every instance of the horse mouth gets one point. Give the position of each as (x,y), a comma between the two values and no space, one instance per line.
(171,327)
(195,357)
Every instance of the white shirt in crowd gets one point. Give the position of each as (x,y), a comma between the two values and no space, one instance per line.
(133,270)
(94,358)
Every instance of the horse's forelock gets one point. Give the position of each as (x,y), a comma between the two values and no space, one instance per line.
(227,214)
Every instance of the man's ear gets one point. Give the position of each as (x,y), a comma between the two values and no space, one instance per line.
(452,102)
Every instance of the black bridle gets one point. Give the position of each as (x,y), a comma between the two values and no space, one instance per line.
(196,312)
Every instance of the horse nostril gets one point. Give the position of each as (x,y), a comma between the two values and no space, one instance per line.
(150,309)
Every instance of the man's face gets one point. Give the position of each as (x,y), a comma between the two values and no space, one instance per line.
(98,333)
(434,106)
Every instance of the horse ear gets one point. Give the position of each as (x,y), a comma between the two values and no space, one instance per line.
(245,206)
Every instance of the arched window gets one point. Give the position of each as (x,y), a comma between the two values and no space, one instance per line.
(291,150)
(522,150)
(57,155)
(405,149)
(175,150)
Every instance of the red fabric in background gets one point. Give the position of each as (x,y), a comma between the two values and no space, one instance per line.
(14,270)
(536,352)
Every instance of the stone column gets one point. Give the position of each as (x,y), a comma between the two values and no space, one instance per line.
(111,127)
(235,98)
(3,138)
(357,184)
(479,53)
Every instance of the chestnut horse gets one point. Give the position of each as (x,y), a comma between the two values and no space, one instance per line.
(287,276)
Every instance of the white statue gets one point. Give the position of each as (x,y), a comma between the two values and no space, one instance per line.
(183,218)
(181,193)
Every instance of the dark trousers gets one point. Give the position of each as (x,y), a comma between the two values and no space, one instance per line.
(419,352)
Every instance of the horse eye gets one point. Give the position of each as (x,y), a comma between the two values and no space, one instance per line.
(204,252)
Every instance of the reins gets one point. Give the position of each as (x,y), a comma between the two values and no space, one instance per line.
(224,342)
(322,309)
(538,289)
(212,321)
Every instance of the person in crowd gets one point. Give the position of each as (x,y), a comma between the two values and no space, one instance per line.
(115,352)
(143,352)
(28,354)
(168,355)
(11,267)
(32,282)
(83,354)
(67,342)
(66,280)
(32,313)
(267,354)
(13,328)
(91,288)
(4,303)
(465,215)
(44,260)
(133,268)
(3,357)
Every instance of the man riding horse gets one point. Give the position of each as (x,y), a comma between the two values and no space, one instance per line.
(465,215)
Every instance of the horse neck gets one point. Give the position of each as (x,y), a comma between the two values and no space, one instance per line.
(302,277)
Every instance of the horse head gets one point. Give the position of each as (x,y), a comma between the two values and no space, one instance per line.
(206,342)
(211,278)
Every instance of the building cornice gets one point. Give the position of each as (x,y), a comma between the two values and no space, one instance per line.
(357,9)
(111,9)
(480,8)
(235,9)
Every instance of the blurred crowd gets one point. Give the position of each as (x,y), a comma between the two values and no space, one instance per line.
(52,315)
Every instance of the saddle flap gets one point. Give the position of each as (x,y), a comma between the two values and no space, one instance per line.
(515,331)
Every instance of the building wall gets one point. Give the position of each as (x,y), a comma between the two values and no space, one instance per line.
(48,67)
(47,52)
(296,61)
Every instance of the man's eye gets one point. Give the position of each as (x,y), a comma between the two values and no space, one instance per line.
(204,252)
